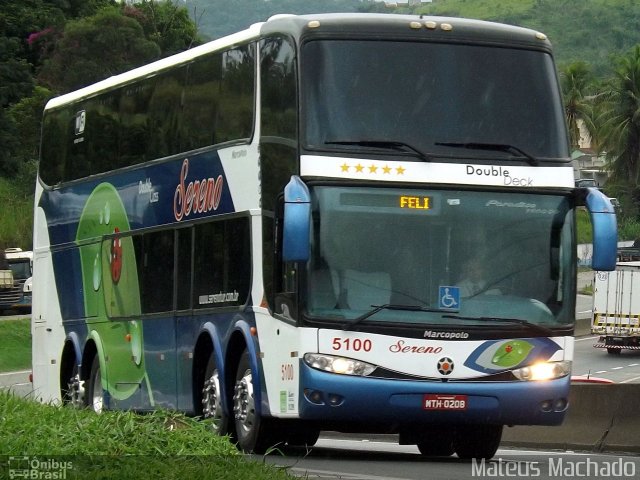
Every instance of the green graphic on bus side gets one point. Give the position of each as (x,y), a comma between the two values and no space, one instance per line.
(112,292)
(512,353)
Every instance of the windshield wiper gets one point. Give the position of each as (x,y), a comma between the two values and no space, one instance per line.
(384,144)
(496,147)
(387,306)
(518,321)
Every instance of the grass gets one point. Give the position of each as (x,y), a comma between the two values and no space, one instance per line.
(115,444)
(586,290)
(15,338)
(122,445)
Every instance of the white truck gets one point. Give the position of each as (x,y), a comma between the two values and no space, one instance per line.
(15,284)
(616,308)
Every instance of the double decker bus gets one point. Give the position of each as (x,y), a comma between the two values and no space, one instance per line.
(362,223)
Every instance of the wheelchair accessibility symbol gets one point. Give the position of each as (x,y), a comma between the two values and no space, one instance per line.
(449,298)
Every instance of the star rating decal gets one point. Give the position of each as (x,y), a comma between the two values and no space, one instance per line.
(375,169)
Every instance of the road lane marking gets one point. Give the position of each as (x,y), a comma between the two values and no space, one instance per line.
(314,473)
(617,368)
(582,339)
(630,380)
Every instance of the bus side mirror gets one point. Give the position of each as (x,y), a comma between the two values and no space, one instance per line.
(297,221)
(605,230)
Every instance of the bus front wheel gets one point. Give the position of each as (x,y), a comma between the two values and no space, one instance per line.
(477,441)
(94,396)
(438,442)
(254,433)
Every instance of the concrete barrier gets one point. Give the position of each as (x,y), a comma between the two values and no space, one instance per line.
(601,418)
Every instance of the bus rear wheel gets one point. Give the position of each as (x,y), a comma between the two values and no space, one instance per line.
(477,441)
(254,433)
(94,397)
(212,408)
(73,388)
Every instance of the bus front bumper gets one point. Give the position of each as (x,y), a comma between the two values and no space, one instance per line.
(365,400)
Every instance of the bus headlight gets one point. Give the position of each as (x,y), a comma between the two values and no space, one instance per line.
(543,371)
(341,365)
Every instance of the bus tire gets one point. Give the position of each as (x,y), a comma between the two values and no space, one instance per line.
(211,398)
(302,437)
(477,441)
(438,443)
(255,434)
(94,398)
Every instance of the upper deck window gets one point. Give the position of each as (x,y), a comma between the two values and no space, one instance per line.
(426,94)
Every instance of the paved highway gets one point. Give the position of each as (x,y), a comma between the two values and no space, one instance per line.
(352,459)
(596,362)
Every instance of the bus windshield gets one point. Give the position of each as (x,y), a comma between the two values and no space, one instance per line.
(440,257)
(433,98)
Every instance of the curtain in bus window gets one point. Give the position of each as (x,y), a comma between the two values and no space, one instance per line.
(222,263)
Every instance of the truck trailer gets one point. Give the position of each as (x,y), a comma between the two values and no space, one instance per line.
(616,308)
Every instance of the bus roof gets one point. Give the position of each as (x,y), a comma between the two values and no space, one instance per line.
(413,27)
(337,25)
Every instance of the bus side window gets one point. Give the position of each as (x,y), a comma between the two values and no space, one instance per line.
(156,272)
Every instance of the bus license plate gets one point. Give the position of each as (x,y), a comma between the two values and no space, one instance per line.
(444,402)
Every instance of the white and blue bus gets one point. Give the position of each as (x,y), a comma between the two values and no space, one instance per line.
(361,223)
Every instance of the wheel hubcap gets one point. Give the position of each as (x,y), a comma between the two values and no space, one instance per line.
(243,403)
(96,400)
(211,407)
(75,391)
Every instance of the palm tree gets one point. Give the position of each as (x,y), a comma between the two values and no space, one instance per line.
(621,127)
(575,80)
(619,132)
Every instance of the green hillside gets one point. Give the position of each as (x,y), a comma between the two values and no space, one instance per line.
(590,30)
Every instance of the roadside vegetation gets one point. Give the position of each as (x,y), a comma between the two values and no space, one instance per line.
(115,444)
(15,338)
(16,221)
(122,445)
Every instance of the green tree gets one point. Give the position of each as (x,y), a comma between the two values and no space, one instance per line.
(575,80)
(621,129)
(165,23)
(95,48)
(15,82)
